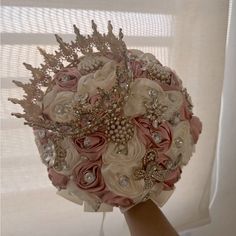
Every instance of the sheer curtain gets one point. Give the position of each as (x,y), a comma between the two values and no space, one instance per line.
(187,35)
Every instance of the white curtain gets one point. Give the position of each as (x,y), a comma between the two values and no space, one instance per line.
(187,35)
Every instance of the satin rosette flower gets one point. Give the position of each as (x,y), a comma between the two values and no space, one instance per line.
(58,180)
(120,180)
(174,175)
(159,137)
(59,108)
(195,128)
(92,146)
(88,177)
(103,78)
(182,145)
(135,152)
(66,79)
(139,94)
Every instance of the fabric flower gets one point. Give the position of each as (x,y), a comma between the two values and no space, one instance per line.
(139,94)
(136,151)
(92,146)
(88,177)
(195,128)
(59,108)
(72,155)
(119,179)
(104,78)
(115,200)
(160,137)
(58,180)
(173,177)
(136,67)
(66,79)
(182,144)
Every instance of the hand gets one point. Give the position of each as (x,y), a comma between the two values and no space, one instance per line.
(146,219)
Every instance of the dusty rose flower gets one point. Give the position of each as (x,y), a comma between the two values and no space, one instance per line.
(195,128)
(91,146)
(136,67)
(58,180)
(66,79)
(173,177)
(88,177)
(116,200)
(160,137)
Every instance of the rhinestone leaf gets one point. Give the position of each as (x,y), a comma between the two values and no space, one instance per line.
(148,183)
(139,173)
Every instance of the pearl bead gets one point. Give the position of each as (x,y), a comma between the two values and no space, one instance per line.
(152,93)
(179,142)
(124,181)
(89,177)
(65,78)
(157,137)
(87,142)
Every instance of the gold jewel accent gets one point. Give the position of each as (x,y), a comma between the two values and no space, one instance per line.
(65,57)
(151,171)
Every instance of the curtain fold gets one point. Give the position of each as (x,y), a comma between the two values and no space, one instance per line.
(187,35)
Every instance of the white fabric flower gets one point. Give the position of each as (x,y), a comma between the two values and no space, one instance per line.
(148,57)
(59,109)
(182,143)
(173,100)
(139,94)
(120,180)
(72,156)
(136,151)
(74,194)
(104,78)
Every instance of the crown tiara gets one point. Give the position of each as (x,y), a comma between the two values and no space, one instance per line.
(66,57)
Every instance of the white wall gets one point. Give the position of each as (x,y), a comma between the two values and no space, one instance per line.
(223,211)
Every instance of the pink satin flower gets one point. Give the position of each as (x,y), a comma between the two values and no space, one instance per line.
(116,200)
(136,68)
(58,180)
(147,133)
(66,79)
(173,177)
(195,128)
(91,146)
(93,168)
